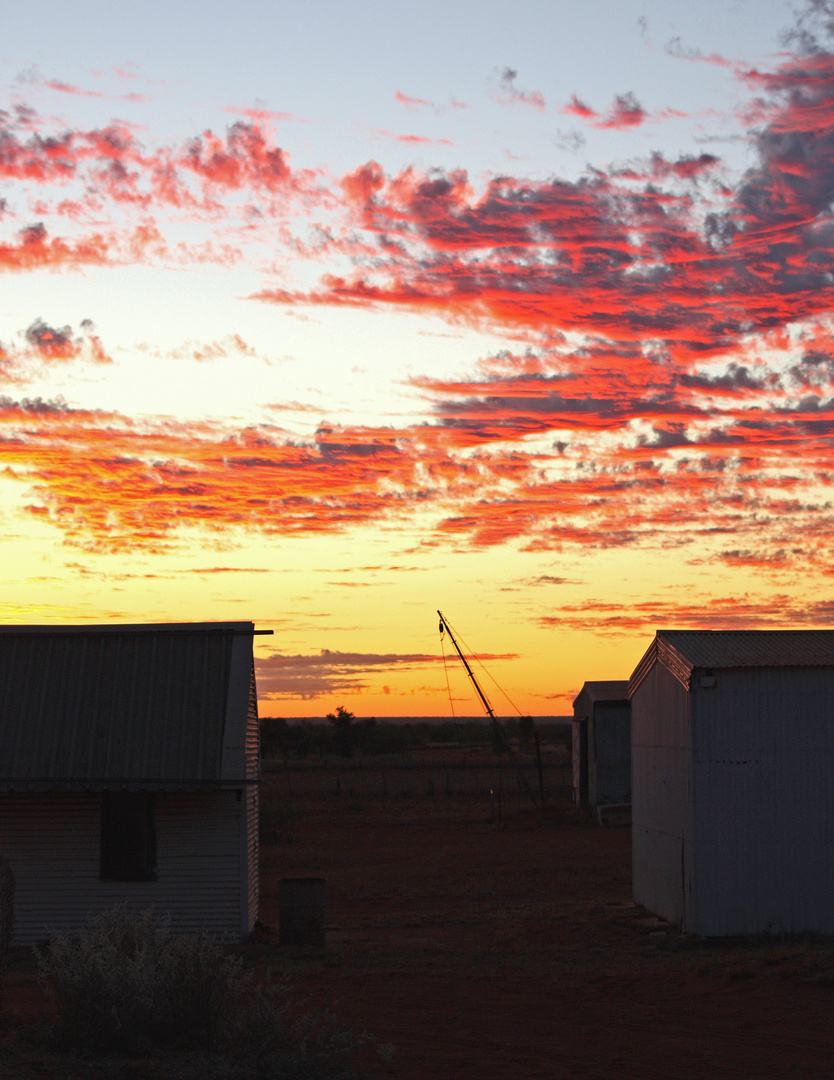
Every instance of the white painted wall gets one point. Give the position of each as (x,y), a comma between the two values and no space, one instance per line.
(763,745)
(661,797)
(52,840)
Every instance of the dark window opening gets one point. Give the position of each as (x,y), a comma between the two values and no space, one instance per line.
(128,836)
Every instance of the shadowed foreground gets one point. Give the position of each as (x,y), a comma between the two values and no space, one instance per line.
(508,951)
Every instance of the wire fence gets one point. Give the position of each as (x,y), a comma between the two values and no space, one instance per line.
(429,780)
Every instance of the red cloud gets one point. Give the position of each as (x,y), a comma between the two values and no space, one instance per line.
(602,255)
(675,390)
(35,249)
(576,107)
(105,174)
(109,482)
(47,345)
(707,612)
(244,158)
(625,112)
(413,139)
(412,102)
(65,88)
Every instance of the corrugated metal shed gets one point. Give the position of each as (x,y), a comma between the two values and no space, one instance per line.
(610,690)
(684,650)
(52,841)
(98,706)
(167,715)
(732,801)
(602,744)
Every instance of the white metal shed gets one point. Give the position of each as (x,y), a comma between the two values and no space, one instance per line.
(732,748)
(602,744)
(129,772)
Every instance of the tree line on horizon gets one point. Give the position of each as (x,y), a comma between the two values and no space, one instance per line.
(343,735)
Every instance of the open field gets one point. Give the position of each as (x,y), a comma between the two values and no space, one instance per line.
(429,771)
(512,949)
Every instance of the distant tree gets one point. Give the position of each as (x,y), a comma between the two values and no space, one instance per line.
(344,737)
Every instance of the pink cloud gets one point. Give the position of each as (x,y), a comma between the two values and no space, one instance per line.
(412,103)
(66,88)
(414,140)
(509,94)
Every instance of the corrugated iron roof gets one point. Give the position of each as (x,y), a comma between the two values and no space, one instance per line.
(752,648)
(95,704)
(606,690)
(684,650)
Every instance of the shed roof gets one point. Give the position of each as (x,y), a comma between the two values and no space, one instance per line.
(92,706)
(684,650)
(608,690)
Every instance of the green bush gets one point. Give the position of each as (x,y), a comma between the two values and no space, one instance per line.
(128,985)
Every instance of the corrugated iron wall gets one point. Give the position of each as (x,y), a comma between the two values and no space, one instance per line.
(610,771)
(253,774)
(253,855)
(52,841)
(763,744)
(661,825)
(575,760)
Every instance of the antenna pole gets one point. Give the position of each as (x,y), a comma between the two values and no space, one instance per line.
(445,626)
(499,731)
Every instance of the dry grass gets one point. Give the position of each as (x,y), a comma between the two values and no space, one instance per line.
(128,987)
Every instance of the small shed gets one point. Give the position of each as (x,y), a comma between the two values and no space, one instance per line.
(129,772)
(602,744)
(732,738)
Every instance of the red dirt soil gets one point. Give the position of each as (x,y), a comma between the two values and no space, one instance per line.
(510,952)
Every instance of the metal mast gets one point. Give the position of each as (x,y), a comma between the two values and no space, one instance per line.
(445,628)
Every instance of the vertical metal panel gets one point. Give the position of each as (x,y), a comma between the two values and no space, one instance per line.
(611,753)
(575,760)
(253,731)
(252,852)
(52,843)
(763,740)
(253,774)
(131,704)
(592,760)
(233,764)
(661,796)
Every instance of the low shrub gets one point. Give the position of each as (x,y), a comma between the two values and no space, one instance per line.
(128,985)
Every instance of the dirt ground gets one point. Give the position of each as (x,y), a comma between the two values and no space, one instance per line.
(508,950)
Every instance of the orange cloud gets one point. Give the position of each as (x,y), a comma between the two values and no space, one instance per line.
(671,379)
(731,613)
(110,482)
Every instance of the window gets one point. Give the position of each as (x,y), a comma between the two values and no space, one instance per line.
(128,836)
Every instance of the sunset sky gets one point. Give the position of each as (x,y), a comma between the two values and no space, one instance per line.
(326,315)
